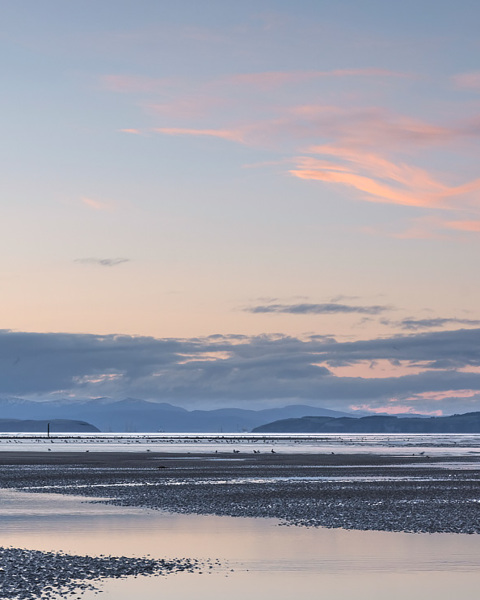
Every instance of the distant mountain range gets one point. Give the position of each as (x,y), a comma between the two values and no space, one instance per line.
(134,415)
(466,423)
(38,426)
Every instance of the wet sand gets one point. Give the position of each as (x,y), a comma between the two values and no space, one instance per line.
(357,491)
(27,574)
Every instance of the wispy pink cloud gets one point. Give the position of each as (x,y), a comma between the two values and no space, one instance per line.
(272,79)
(468,80)
(422,228)
(371,127)
(379,179)
(131,131)
(266,79)
(370,150)
(225,134)
(470,226)
(364,128)
(428,227)
(437,396)
(194,106)
(96,204)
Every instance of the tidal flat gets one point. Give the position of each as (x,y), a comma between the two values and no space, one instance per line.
(329,501)
(352,491)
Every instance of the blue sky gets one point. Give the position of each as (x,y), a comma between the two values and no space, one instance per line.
(272,170)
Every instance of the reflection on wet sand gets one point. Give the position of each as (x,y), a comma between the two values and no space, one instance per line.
(268,560)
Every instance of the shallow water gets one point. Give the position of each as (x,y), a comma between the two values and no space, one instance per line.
(390,444)
(268,560)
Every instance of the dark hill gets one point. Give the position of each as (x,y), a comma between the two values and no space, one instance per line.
(36,426)
(132,415)
(466,423)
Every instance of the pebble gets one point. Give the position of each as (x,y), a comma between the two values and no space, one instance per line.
(30,574)
(411,497)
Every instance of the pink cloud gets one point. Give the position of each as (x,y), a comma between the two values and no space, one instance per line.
(393,408)
(422,228)
(428,227)
(195,105)
(131,131)
(350,161)
(470,226)
(470,369)
(372,126)
(379,369)
(96,204)
(271,79)
(436,396)
(376,192)
(379,179)
(363,129)
(468,80)
(263,80)
(225,134)
(366,129)
(396,409)
(360,144)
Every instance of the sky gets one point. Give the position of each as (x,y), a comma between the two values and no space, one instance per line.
(246,204)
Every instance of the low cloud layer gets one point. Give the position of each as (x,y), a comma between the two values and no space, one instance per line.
(239,370)
(317,309)
(415,324)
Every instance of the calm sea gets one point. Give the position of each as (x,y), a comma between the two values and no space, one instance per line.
(438,444)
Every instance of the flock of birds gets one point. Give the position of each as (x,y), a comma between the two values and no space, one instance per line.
(255,451)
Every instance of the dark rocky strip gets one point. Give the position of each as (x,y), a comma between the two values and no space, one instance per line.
(413,494)
(29,574)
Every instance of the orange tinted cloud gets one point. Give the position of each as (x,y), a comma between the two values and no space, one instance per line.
(379,179)
(472,226)
(376,192)
(360,146)
(132,131)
